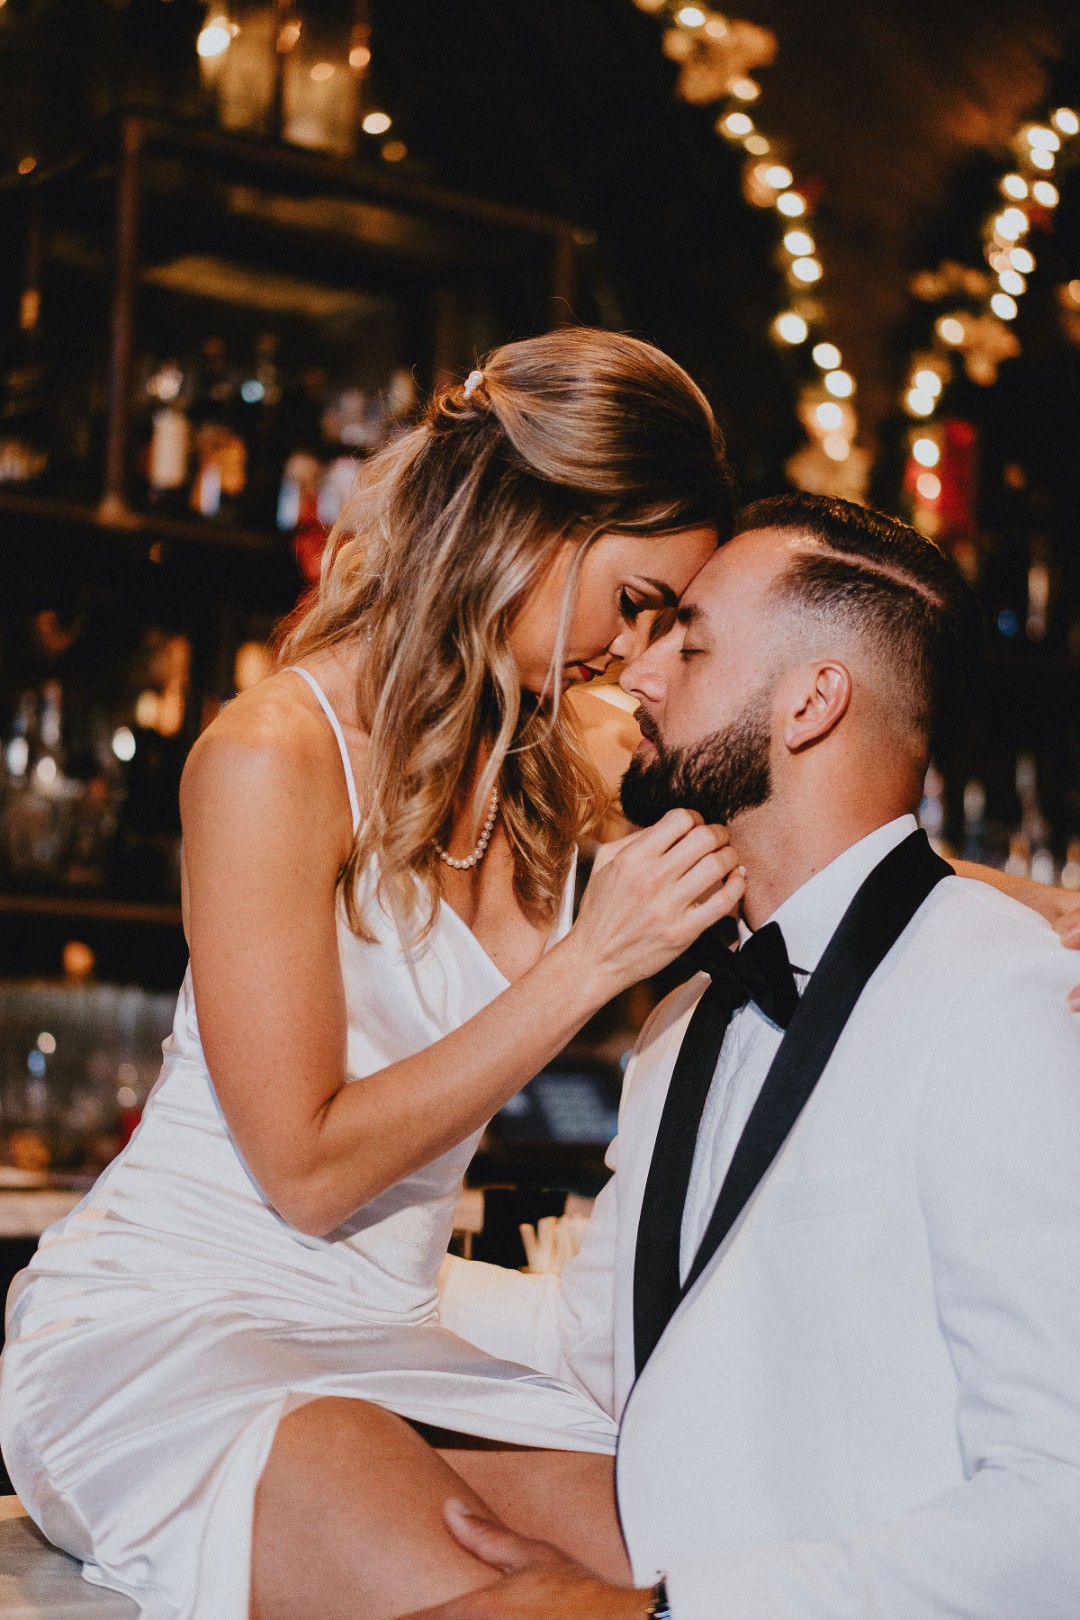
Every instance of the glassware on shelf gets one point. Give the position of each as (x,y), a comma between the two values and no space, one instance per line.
(77,1061)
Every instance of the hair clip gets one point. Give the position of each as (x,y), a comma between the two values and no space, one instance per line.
(472,383)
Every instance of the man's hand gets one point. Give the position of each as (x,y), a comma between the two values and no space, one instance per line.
(1067,924)
(537,1581)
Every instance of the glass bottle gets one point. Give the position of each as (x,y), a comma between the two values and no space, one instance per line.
(24,417)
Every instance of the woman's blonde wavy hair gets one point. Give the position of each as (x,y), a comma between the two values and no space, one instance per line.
(567,436)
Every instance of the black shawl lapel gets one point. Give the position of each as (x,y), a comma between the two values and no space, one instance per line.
(880,912)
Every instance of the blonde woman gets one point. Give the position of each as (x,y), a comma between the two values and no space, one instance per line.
(216,1363)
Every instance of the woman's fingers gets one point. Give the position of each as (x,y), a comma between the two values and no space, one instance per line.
(673,846)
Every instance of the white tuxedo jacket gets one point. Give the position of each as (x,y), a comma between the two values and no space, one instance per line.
(868,1407)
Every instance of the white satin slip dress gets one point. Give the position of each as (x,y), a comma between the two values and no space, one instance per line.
(166,1325)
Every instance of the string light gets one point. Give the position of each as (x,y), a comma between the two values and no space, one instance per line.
(830,416)
(778,177)
(840,383)
(216,36)
(791,328)
(979,335)
(717,57)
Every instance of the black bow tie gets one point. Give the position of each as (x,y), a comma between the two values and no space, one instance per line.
(760,971)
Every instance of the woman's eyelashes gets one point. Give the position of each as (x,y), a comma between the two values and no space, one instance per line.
(660,616)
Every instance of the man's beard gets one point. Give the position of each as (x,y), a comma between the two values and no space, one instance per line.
(720,777)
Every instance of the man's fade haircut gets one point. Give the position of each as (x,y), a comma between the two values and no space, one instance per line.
(880,577)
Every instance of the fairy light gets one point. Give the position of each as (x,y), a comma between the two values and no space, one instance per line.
(737,124)
(689,31)
(215,38)
(1011,224)
(919,402)
(979,330)
(950,329)
(791,328)
(376,123)
(841,384)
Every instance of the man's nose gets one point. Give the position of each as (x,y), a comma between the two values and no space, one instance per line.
(642,676)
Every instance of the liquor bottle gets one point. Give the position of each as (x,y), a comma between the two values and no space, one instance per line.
(974,845)
(38,803)
(302,412)
(1034,829)
(931,813)
(260,427)
(24,416)
(169,451)
(220,452)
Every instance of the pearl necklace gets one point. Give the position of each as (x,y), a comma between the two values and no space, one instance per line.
(482,843)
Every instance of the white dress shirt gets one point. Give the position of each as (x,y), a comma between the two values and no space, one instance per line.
(808,919)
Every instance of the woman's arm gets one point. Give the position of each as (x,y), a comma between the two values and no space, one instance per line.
(1056,905)
(264,839)
(1060,907)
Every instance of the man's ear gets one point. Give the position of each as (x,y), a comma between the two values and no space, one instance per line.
(816,701)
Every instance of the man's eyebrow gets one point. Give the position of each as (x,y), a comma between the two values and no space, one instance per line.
(690,613)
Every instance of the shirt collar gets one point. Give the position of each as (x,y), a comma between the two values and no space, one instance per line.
(810,917)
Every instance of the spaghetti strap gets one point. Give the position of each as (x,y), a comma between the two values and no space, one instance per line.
(324,704)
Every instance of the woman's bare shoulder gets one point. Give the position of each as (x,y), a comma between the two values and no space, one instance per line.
(608,728)
(267,742)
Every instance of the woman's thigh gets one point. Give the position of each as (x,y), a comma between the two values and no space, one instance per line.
(565,1497)
(349,1514)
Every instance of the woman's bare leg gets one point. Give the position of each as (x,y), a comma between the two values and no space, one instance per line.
(565,1497)
(349,1514)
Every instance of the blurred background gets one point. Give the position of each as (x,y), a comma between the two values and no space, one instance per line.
(239,242)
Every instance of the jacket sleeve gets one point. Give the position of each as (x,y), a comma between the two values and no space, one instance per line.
(559,1324)
(999,1182)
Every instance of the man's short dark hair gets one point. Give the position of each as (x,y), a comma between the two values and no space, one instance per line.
(882,578)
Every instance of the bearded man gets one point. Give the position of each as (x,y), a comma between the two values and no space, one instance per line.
(833,1288)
